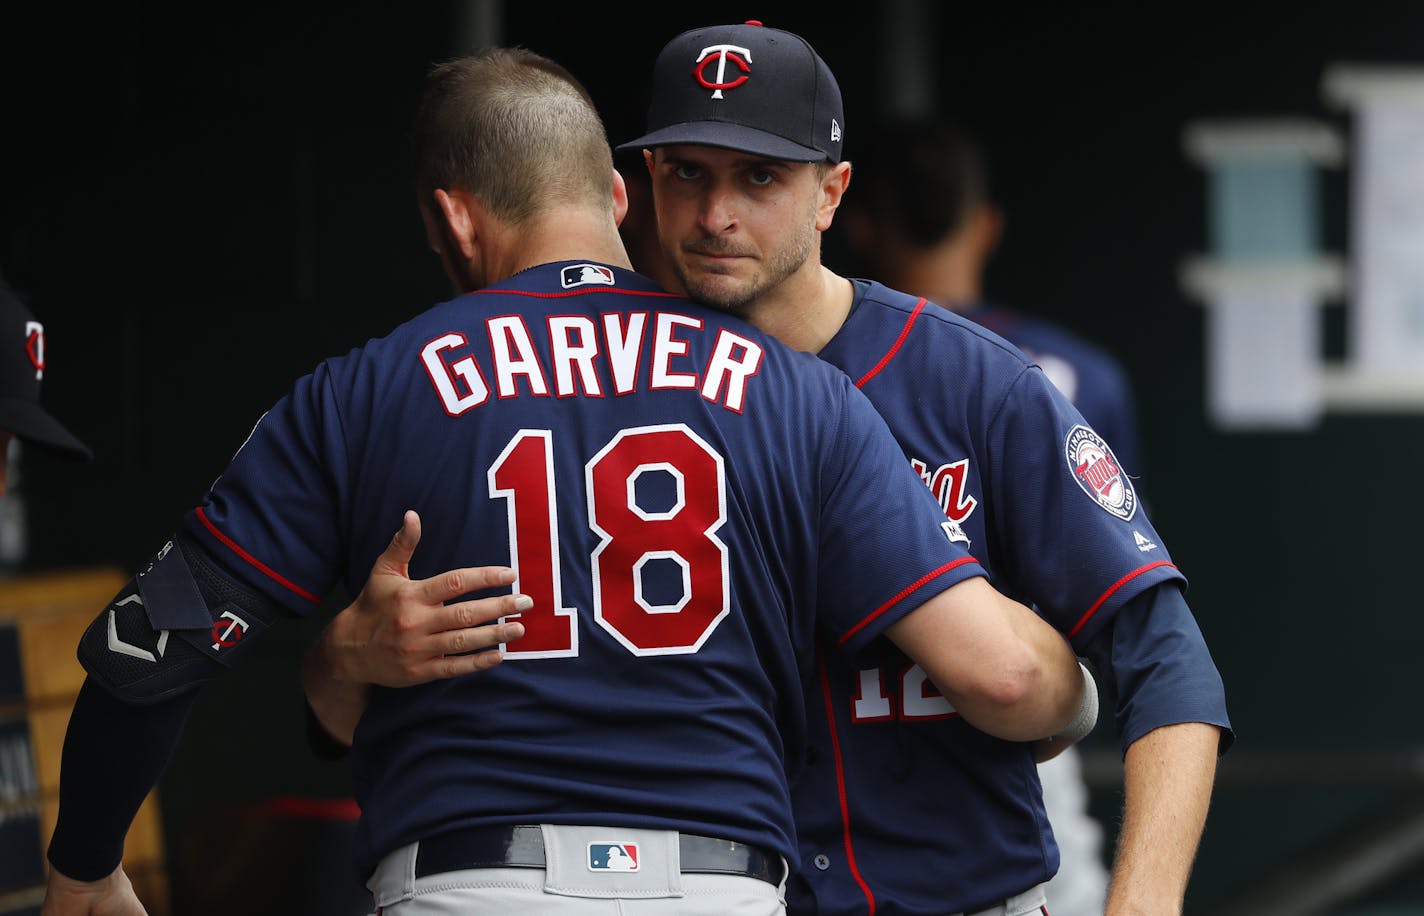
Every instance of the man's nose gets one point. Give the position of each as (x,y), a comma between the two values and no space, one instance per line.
(718,213)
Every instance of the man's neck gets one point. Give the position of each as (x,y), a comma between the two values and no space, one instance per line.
(807,310)
(566,237)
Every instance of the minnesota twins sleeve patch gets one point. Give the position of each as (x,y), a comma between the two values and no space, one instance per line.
(1096,469)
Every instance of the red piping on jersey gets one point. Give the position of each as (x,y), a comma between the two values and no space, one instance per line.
(266,570)
(905,591)
(1109,593)
(885,360)
(311,809)
(840,783)
(576,292)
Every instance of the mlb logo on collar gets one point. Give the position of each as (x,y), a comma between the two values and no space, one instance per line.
(584,274)
(613,857)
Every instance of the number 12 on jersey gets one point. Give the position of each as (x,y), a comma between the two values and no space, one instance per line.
(630,536)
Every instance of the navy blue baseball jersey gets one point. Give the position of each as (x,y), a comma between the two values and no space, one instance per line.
(904,808)
(1087,374)
(687,501)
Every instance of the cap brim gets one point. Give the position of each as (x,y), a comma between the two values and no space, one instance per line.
(29,422)
(727,136)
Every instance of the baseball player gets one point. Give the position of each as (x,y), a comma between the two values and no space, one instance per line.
(22,365)
(923,221)
(687,503)
(903,807)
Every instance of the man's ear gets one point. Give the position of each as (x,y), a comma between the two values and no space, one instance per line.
(620,198)
(834,182)
(451,220)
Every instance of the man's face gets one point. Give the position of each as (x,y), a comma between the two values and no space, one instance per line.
(733,225)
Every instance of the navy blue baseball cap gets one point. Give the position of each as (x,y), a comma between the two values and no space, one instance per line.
(22,364)
(747,88)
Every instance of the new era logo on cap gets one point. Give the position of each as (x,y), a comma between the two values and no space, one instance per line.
(746,88)
(613,857)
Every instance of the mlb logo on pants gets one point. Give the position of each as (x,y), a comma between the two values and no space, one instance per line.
(613,857)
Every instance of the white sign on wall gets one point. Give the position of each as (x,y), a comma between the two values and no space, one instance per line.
(1266,278)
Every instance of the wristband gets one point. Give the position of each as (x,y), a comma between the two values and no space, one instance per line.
(1086,716)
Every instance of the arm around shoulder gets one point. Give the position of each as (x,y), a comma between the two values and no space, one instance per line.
(1006,671)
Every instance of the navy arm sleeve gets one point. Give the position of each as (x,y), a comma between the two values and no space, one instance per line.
(1154,659)
(101,790)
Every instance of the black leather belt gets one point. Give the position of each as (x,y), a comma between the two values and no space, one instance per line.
(523,847)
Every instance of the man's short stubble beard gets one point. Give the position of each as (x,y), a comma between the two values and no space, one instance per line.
(743,303)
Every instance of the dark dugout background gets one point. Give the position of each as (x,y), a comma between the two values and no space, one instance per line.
(202,202)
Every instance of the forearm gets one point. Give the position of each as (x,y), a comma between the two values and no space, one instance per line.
(1168,780)
(1042,686)
(1056,695)
(336,703)
(1007,672)
(101,790)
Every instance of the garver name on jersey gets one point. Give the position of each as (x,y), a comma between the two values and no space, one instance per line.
(621,353)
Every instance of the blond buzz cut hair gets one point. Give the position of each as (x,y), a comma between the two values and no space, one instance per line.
(514,129)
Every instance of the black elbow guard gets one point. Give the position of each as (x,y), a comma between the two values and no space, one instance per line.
(178,624)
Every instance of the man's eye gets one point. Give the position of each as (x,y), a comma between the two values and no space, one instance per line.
(761,177)
(685,172)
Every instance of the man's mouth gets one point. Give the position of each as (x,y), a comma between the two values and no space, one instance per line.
(714,255)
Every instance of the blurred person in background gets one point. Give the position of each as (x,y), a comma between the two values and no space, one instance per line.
(22,365)
(923,220)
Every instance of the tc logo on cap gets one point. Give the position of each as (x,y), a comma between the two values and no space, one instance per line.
(34,346)
(741,57)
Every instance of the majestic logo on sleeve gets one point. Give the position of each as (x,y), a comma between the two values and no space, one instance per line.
(740,58)
(1096,469)
(585,274)
(955,532)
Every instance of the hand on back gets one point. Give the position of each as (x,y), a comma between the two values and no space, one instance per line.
(400,632)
